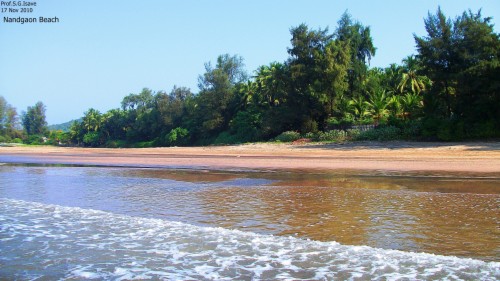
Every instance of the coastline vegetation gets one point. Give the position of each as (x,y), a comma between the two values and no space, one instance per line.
(324,91)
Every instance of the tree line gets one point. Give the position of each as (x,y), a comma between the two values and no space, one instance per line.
(449,90)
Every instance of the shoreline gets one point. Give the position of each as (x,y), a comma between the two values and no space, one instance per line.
(470,157)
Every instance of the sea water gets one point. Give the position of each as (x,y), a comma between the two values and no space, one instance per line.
(80,223)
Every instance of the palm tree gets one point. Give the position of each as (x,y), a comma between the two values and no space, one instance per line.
(410,103)
(359,107)
(395,107)
(92,120)
(378,105)
(342,105)
(410,79)
(392,75)
(247,91)
(271,83)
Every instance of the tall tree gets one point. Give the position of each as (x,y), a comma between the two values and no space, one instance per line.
(337,59)
(215,107)
(478,83)
(33,119)
(8,119)
(361,49)
(141,122)
(462,58)
(436,53)
(306,62)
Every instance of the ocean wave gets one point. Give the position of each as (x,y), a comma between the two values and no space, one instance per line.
(74,243)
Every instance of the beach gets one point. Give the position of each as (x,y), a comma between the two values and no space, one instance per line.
(470,157)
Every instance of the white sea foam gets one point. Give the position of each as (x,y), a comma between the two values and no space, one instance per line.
(89,244)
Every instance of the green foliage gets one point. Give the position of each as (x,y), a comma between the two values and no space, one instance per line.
(34,140)
(462,58)
(485,130)
(116,144)
(178,136)
(144,144)
(9,123)
(448,91)
(361,50)
(58,137)
(226,138)
(333,135)
(386,133)
(217,101)
(91,139)
(246,126)
(34,120)
(378,106)
(309,126)
(288,136)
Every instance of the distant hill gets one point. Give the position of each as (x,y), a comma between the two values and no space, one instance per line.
(63,126)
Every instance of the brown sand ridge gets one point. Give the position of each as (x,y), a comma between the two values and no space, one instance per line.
(476,157)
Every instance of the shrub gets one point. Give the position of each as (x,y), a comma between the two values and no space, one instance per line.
(116,144)
(484,130)
(226,138)
(333,135)
(288,136)
(352,134)
(34,139)
(144,144)
(345,122)
(381,134)
(411,130)
(312,136)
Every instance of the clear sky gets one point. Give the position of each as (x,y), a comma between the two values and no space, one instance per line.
(101,51)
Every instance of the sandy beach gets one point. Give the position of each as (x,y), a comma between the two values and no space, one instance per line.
(474,157)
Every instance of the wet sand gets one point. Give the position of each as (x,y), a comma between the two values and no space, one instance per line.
(472,157)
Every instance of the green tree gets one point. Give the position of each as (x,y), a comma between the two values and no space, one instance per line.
(215,101)
(308,86)
(140,116)
(411,81)
(462,58)
(92,124)
(272,84)
(361,50)
(114,124)
(411,104)
(272,99)
(477,48)
(33,120)
(337,59)
(435,51)
(92,120)
(392,78)
(8,120)
(378,105)
(360,108)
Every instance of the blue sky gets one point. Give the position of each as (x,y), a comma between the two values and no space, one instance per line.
(101,51)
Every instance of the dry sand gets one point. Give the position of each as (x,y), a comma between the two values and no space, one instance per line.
(473,157)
